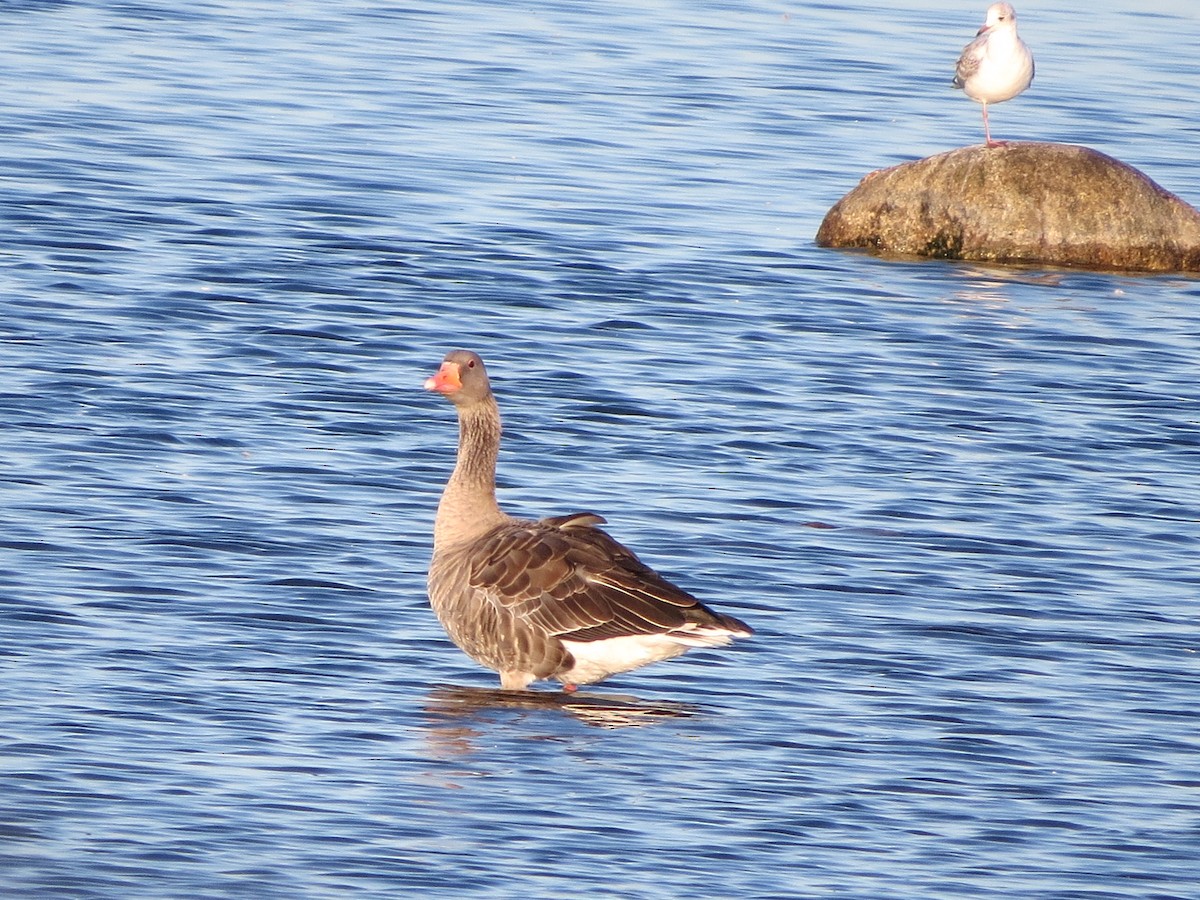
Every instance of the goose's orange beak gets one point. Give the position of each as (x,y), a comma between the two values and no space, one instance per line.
(446,381)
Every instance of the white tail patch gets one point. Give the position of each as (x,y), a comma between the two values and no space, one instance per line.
(701,636)
(596,660)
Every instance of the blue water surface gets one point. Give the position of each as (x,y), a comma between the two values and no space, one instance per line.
(959,504)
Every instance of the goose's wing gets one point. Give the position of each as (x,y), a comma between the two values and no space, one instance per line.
(566,577)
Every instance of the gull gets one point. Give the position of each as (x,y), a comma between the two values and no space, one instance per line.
(997,65)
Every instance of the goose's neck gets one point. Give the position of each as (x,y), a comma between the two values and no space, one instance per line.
(468,506)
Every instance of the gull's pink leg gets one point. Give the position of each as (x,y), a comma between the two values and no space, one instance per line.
(987,132)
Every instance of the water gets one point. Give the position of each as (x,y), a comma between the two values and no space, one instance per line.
(959,504)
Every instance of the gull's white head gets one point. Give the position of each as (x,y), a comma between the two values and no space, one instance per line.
(999,14)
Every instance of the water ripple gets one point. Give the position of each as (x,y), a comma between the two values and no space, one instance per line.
(958,504)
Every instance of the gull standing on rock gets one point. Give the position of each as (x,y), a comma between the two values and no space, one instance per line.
(997,65)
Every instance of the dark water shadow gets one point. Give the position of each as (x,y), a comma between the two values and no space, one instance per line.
(467,705)
(33,6)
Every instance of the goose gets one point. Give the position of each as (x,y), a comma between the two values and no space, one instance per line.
(550,599)
(997,65)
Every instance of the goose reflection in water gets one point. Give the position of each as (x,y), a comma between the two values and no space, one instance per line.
(463,705)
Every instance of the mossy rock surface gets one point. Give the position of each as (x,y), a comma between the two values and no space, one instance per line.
(1019,203)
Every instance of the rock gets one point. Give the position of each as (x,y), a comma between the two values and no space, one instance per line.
(1019,203)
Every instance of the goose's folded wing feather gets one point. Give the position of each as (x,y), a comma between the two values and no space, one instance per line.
(568,578)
